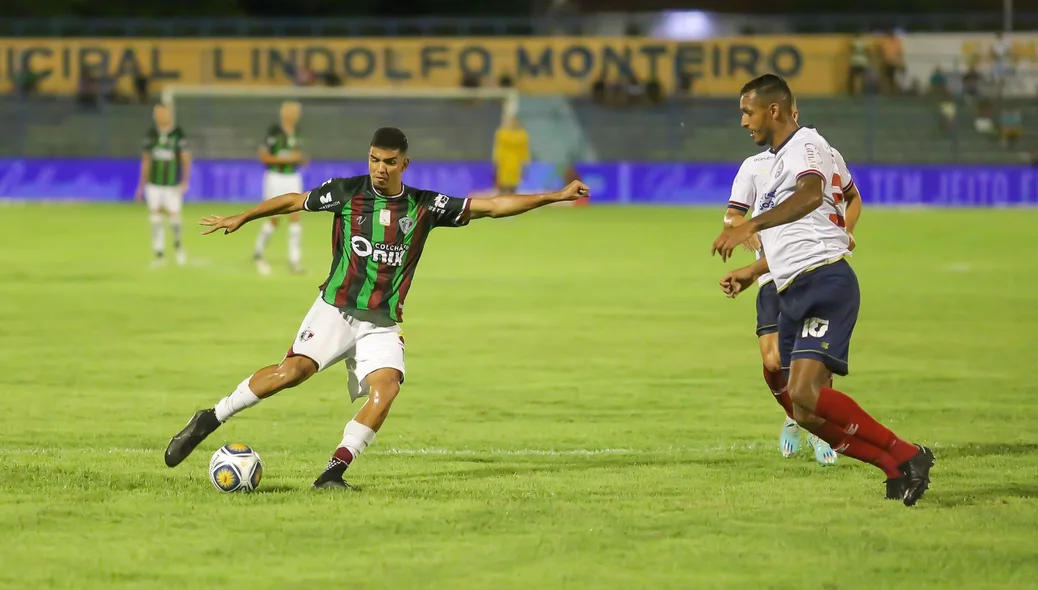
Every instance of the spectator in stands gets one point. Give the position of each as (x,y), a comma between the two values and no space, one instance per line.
(971,82)
(685,84)
(633,91)
(27,83)
(470,80)
(1010,125)
(892,57)
(985,120)
(304,76)
(654,91)
(140,84)
(860,63)
(938,83)
(88,88)
(1001,60)
(598,90)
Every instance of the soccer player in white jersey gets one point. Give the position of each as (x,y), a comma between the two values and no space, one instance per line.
(745,189)
(281,155)
(805,251)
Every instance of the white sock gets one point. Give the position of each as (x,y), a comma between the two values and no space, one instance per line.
(266,231)
(295,243)
(356,437)
(158,234)
(175,225)
(240,398)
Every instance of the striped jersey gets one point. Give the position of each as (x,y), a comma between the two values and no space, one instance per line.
(279,142)
(377,240)
(166,148)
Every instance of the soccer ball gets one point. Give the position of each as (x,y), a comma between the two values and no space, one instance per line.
(235,468)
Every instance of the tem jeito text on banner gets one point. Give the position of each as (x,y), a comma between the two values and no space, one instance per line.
(814,65)
(653,183)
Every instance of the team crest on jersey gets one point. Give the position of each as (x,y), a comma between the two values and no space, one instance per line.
(406,224)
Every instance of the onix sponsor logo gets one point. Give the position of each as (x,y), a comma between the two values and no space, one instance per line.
(388,254)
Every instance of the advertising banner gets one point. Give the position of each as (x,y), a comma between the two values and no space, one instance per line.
(814,65)
(611,183)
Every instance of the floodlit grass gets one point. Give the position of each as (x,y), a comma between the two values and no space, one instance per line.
(583,409)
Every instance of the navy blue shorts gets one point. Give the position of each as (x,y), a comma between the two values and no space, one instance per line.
(767,309)
(818,311)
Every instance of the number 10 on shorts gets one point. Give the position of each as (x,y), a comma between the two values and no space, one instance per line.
(814,328)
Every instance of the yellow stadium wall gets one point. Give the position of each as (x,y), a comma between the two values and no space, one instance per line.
(813,65)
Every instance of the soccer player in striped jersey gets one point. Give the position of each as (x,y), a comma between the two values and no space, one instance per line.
(379,230)
(805,250)
(752,175)
(281,155)
(165,175)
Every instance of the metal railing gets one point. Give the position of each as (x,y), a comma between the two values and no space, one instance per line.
(865,129)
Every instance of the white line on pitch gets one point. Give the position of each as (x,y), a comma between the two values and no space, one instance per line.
(428,451)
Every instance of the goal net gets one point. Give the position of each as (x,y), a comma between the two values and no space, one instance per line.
(441,124)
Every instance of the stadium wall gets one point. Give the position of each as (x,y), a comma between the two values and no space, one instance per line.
(114,180)
(815,64)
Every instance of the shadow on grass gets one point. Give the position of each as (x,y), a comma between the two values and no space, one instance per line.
(983,495)
(986,450)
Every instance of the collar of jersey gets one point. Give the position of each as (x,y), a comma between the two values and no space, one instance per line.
(783,144)
(403,189)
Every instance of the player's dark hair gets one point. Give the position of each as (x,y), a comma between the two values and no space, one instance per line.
(389,138)
(770,88)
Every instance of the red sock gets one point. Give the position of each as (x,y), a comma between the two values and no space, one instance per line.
(856,448)
(840,409)
(776,381)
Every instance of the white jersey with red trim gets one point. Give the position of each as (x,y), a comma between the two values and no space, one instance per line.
(843,182)
(816,238)
(747,186)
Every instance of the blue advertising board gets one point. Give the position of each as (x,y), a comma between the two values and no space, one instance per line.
(648,183)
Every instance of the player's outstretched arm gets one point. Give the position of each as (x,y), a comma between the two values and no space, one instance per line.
(288,203)
(509,205)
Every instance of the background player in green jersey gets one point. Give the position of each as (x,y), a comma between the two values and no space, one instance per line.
(281,155)
(379,228)
(165,175)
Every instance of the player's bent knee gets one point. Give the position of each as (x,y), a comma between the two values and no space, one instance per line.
(383,387)
(295,370)
(772,360)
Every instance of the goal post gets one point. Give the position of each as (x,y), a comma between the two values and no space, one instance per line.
(445,124)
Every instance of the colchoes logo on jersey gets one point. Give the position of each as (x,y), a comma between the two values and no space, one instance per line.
(162,154)
(388,254)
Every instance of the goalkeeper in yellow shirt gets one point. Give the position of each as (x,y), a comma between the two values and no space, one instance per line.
(511,153)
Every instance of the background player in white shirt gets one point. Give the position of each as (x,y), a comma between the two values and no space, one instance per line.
(805,251)
(281,155)
(753,172)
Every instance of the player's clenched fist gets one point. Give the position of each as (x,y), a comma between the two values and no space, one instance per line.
(737,281)
(575,190)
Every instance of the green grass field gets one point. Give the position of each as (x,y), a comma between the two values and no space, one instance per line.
(583,410)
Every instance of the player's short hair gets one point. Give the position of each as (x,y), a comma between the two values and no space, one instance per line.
(770,88)
(389,138)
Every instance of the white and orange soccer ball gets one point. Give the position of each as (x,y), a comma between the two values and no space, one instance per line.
(235,468)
